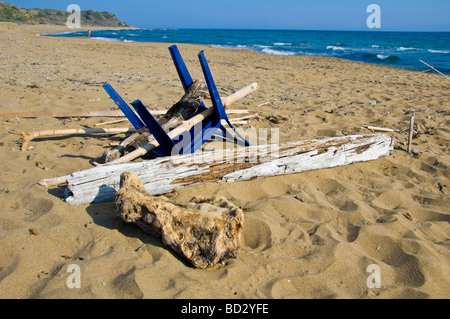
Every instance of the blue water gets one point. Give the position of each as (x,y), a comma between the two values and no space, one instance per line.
(397,49)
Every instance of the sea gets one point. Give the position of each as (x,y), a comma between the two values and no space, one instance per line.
(397,49)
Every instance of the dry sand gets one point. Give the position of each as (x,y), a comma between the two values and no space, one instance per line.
(308,235)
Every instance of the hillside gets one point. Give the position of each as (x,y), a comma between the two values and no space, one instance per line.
(11,13)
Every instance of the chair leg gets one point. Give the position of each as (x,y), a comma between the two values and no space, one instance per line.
(132,117)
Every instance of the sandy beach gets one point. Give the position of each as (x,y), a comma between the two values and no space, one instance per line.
(307,235)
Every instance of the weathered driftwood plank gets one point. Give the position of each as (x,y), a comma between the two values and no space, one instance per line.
(162,175)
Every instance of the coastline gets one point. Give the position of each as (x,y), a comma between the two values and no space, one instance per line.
(392,49)
(391,212)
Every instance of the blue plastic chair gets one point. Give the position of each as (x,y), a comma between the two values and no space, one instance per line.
(200,133)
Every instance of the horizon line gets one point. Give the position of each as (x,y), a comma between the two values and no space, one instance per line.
(281,29)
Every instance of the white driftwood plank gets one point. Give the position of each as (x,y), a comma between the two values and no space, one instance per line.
(162,175)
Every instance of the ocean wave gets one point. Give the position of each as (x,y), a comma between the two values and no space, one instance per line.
(65,33)
(387,57)
(282,43)
(234,47)
(335,48)
(401,49)
(277,52)
(439,51)
(376,57)
(112,39)
(382,56)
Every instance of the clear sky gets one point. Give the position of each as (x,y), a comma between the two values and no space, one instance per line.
(396,15)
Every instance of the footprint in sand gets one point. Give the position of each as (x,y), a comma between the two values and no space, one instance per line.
(126,286)
(36,207)
(349,206)
(352,233)
(256,234)
(390,252)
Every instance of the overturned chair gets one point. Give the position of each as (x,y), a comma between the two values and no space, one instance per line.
(189,137)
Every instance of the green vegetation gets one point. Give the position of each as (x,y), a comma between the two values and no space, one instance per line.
(11,13)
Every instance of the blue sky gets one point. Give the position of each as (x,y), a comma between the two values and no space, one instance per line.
(396,15)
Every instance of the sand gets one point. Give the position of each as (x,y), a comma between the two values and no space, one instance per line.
(308,235)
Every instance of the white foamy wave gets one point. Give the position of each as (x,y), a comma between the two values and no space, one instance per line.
(439,51)
(223,46)
(277,52)
(382,56)
(335,48)
(282,43)
(57,33)
(111,39)
(406,49)
(375,46)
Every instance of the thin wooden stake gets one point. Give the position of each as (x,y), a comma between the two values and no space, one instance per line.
(380,129)
(411,132)
(434,69)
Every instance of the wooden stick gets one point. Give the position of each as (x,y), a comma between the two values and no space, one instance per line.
(31,136)
(227,101)
(434,69)
(116,113)
(380,129)
(53,182)
(110,122)
(411,132)
(262,104)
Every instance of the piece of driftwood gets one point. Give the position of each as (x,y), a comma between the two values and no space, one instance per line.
(145,143)
(115,113)
(27,138)
(379,129)
(432,67)
(111,122)
(205,231)
(162,175)
(411,132)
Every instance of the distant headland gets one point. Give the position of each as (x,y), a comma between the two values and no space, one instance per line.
(12,13)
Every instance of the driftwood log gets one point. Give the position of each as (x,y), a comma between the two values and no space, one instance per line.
(205,231)
(162,175)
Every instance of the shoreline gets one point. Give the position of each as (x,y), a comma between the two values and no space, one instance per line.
(310,235)
(359,54)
